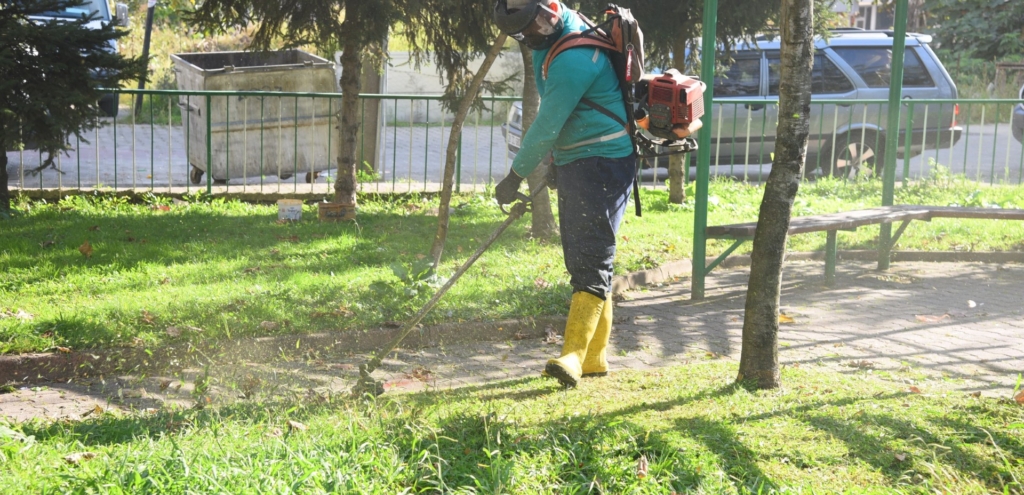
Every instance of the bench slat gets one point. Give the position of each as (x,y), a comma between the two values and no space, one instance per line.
(858,218)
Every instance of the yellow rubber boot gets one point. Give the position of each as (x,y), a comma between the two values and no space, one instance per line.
(584,315)
(596,362)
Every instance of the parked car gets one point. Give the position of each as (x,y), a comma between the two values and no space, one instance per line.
(1018,119)
(852,65)
(101,15)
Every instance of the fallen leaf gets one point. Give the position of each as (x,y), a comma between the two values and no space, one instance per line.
(734,318)
(276,432)
(85,249)
(95,410)
(786,319)
(94,228)
(422,374)
(420,256)
(641,467)
(976,395)
(23,315)
(173,331)
(458,249)
(295,425)
(550,336)
(914,390)
(930,319)
(901,457)
(77,457)
(268,326)
(63,350)
(165,383)
(160,207)
(863,364)
(540,283)
(46,244)
(1019,398)
(148,317)
(519,336)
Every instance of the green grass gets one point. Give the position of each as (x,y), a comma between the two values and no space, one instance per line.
(824,432)
(226,267)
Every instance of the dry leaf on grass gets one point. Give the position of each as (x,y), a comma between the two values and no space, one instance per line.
(295,425)
(914,390)
(863,364)
(901,456)
(148,317)
(641,467)
(540,283)
(85,249)
(930,318)
(276,432)
(268,326)
(173,331)
(976,395)
(786,319)
(165,383)
(63,350)
(78,457)
(1019,398)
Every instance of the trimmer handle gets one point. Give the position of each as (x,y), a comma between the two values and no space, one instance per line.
(520,197)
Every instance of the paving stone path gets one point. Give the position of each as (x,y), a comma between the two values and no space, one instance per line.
(961,323)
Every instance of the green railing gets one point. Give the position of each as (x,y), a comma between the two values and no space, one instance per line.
(286,143)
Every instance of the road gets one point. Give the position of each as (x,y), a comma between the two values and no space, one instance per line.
(147,156)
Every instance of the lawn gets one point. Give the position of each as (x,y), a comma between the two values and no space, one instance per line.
(212,268)
(685,429)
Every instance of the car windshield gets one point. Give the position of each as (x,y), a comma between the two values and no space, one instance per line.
(90,6)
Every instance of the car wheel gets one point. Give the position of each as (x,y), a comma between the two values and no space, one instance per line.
(108,105)
(856,152)
(195,176)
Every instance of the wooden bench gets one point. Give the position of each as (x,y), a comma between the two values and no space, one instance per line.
(850,221)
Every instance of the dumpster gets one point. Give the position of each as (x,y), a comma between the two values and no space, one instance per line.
(253,136)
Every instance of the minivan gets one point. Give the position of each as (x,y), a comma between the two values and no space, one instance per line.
(845,138)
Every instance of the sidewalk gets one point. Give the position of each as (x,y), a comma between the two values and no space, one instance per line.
(962,323)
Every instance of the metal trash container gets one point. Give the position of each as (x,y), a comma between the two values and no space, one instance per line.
(253,136)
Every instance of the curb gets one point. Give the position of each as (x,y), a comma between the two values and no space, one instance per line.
(61,367)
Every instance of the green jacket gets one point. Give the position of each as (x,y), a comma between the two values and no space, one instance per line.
(568,128)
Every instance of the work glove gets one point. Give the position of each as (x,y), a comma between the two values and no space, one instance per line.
(505,191)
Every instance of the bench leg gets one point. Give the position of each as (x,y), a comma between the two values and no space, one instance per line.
(830,259)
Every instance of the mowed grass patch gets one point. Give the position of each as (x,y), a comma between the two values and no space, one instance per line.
(685,429)
(212,268)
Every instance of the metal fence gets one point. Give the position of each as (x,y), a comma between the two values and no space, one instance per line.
(262,142)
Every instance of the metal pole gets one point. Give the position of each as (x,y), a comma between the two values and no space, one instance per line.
(145,53)
(700,214)
(892,128)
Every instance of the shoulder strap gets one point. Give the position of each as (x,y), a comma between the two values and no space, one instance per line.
(592,104)
(573,40)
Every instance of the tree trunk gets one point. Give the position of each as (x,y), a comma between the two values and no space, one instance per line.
(542,219)
(678,164)
(346,184)
(455,135)
(759,358)
(5,193)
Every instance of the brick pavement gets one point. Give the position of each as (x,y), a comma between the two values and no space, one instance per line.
(961,323)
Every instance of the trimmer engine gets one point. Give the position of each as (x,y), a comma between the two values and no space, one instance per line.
(671,104)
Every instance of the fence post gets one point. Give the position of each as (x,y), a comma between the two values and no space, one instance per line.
(209,148)
(892,129)
(700,214)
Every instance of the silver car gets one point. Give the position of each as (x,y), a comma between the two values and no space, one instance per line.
(1018,119)
(852,65)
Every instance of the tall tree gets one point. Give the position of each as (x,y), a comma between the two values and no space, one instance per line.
(542,219)
(51,73)
(759,357)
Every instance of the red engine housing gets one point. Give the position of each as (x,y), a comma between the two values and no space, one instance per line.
(674,99)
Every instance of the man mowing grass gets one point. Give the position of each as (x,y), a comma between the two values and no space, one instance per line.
(595,165)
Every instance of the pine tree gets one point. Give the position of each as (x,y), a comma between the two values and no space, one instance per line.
(51,77)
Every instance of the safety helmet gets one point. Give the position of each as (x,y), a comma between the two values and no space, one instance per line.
(523,12)
(515,16)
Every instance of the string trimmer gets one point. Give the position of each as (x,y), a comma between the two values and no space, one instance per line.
(366,383)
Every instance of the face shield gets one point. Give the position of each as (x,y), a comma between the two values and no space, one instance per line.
(531,25)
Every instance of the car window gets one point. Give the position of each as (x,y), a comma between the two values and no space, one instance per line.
(874,65)
(741,78)
(826,78)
